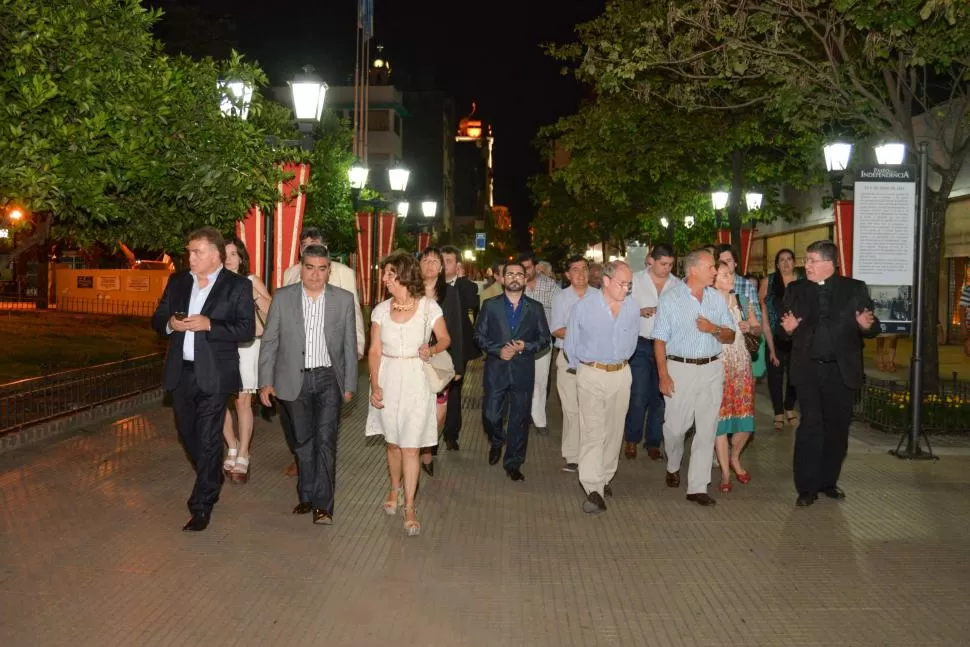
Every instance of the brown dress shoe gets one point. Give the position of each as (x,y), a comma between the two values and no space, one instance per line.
(630,450)
(673,479)
(654,453)
(290,469)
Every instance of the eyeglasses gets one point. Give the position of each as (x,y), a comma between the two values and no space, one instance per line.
(815,261)
(626,285)
(515,275)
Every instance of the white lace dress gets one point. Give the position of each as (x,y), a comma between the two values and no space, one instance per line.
(408,416)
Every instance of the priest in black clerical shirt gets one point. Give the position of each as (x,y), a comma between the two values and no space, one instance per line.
(827,316)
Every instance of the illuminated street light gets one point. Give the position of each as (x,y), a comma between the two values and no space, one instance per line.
(402,209)
(309,91)
(237,96)
(689,221)
(4,233)
(891,153)
(664,222)
(720,199)
(468,255)
(837,156)
(429,208)
(398,177)
(753,200)
(358,176)
(16,214)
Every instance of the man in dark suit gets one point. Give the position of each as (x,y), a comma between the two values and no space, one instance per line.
(511,329)
(468,296)
(308,361)
(205,312)
(827,316)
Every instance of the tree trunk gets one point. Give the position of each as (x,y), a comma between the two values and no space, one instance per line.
(736,200)
(936,205)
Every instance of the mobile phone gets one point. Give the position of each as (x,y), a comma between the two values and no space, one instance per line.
(180,315)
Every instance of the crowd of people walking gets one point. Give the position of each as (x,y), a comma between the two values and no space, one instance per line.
(641,357)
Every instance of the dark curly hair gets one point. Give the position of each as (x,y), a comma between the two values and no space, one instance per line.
(242,252)
(408,272)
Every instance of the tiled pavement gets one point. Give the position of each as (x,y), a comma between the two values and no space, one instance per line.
(91,551)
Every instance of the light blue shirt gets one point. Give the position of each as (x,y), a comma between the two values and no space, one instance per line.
(562,304)
(593,335)
(197,300)
(677,322)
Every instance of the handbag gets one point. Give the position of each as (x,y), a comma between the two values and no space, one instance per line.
(440,369)
(751,341)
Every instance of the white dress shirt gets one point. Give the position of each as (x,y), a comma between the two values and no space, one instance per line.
(196,301)
(645,294)
(313,321)
(342,277)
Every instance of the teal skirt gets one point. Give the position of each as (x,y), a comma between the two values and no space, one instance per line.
(760,365)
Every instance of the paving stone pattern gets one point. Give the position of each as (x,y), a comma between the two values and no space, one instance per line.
(91,551)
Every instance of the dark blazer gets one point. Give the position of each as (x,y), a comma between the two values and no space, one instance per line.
(282,350)
(470,304)
(231,310)
(452,312)
(492,333)
(848,297)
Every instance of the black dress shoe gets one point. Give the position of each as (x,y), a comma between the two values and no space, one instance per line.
(322,518)
(673,479)
(515,474)
(834,493)
(198,522)
(494,454)
(608,490)
(303,508)
(428,467)
(451,445)
(594,504)
(542,431)
(702,498)
(805,500)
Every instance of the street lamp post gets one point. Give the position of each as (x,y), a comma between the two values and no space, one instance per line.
(308,92)
(837,155)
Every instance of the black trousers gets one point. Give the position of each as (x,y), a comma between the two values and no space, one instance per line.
(782,395)
(515,435)
(453,412)
(822,437)
(199,417)
(314,420)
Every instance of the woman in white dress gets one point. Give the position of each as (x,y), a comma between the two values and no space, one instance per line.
(236,465)
(402,404)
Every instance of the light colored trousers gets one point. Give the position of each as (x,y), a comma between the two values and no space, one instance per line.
(696,399)
(540,389)
(605,397)
(566,386)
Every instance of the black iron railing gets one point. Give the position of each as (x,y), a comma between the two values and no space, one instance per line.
(107,306)
(18,303)
(39,399)
(886,405)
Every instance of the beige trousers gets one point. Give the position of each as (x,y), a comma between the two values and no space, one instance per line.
(566,386)
(539,389)
(605,397)
(696,399)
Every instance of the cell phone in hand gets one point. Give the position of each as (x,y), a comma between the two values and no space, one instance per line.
(180,315)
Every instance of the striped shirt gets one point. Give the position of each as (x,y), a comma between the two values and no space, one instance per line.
(316,342)
(543,291)
(747,290)
(965,297)
(677,322)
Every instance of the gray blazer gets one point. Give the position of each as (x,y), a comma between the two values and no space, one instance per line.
(283,344)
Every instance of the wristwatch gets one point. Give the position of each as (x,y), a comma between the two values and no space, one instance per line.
(717,331)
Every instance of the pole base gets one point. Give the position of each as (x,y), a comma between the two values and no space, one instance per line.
(913,451)
(918,455)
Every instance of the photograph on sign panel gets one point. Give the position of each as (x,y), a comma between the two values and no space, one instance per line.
(892,302)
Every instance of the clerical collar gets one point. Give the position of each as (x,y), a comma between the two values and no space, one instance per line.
(822,282)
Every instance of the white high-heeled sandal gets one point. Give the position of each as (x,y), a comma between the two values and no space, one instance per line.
(230,461)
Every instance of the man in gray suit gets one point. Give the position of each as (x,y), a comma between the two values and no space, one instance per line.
(308,361)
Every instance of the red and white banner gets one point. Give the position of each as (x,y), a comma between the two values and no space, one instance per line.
(424,240)
(366,262)
(252,232)
(844,221)
(723,236)
(287,224)
(747,235)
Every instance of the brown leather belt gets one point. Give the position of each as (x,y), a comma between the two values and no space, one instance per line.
(609,368)
(698,362)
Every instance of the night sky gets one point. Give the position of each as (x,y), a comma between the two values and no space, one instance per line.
(488,52)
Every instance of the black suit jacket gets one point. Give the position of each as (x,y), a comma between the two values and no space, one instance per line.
(468,294)
(492,332)
(848,297)
(451,312)
(230,309)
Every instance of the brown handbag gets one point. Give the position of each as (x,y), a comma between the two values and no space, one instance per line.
(751,341)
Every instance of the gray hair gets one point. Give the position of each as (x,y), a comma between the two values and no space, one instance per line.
(315,251)
(828,250)
(609,269)
(695,257)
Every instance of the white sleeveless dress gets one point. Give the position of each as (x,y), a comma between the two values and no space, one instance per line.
(249,363)
(408,417)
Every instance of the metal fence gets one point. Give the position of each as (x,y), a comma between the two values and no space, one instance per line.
(18,303)
(107,306)
(38,399)
(886,405)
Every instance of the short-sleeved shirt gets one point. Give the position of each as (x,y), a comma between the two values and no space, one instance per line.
(593,334)
(562,304)
(677,322)
(645,294)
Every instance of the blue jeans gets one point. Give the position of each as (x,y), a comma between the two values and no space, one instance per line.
(644,394)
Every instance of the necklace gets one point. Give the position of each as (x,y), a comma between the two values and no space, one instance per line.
(403,307)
